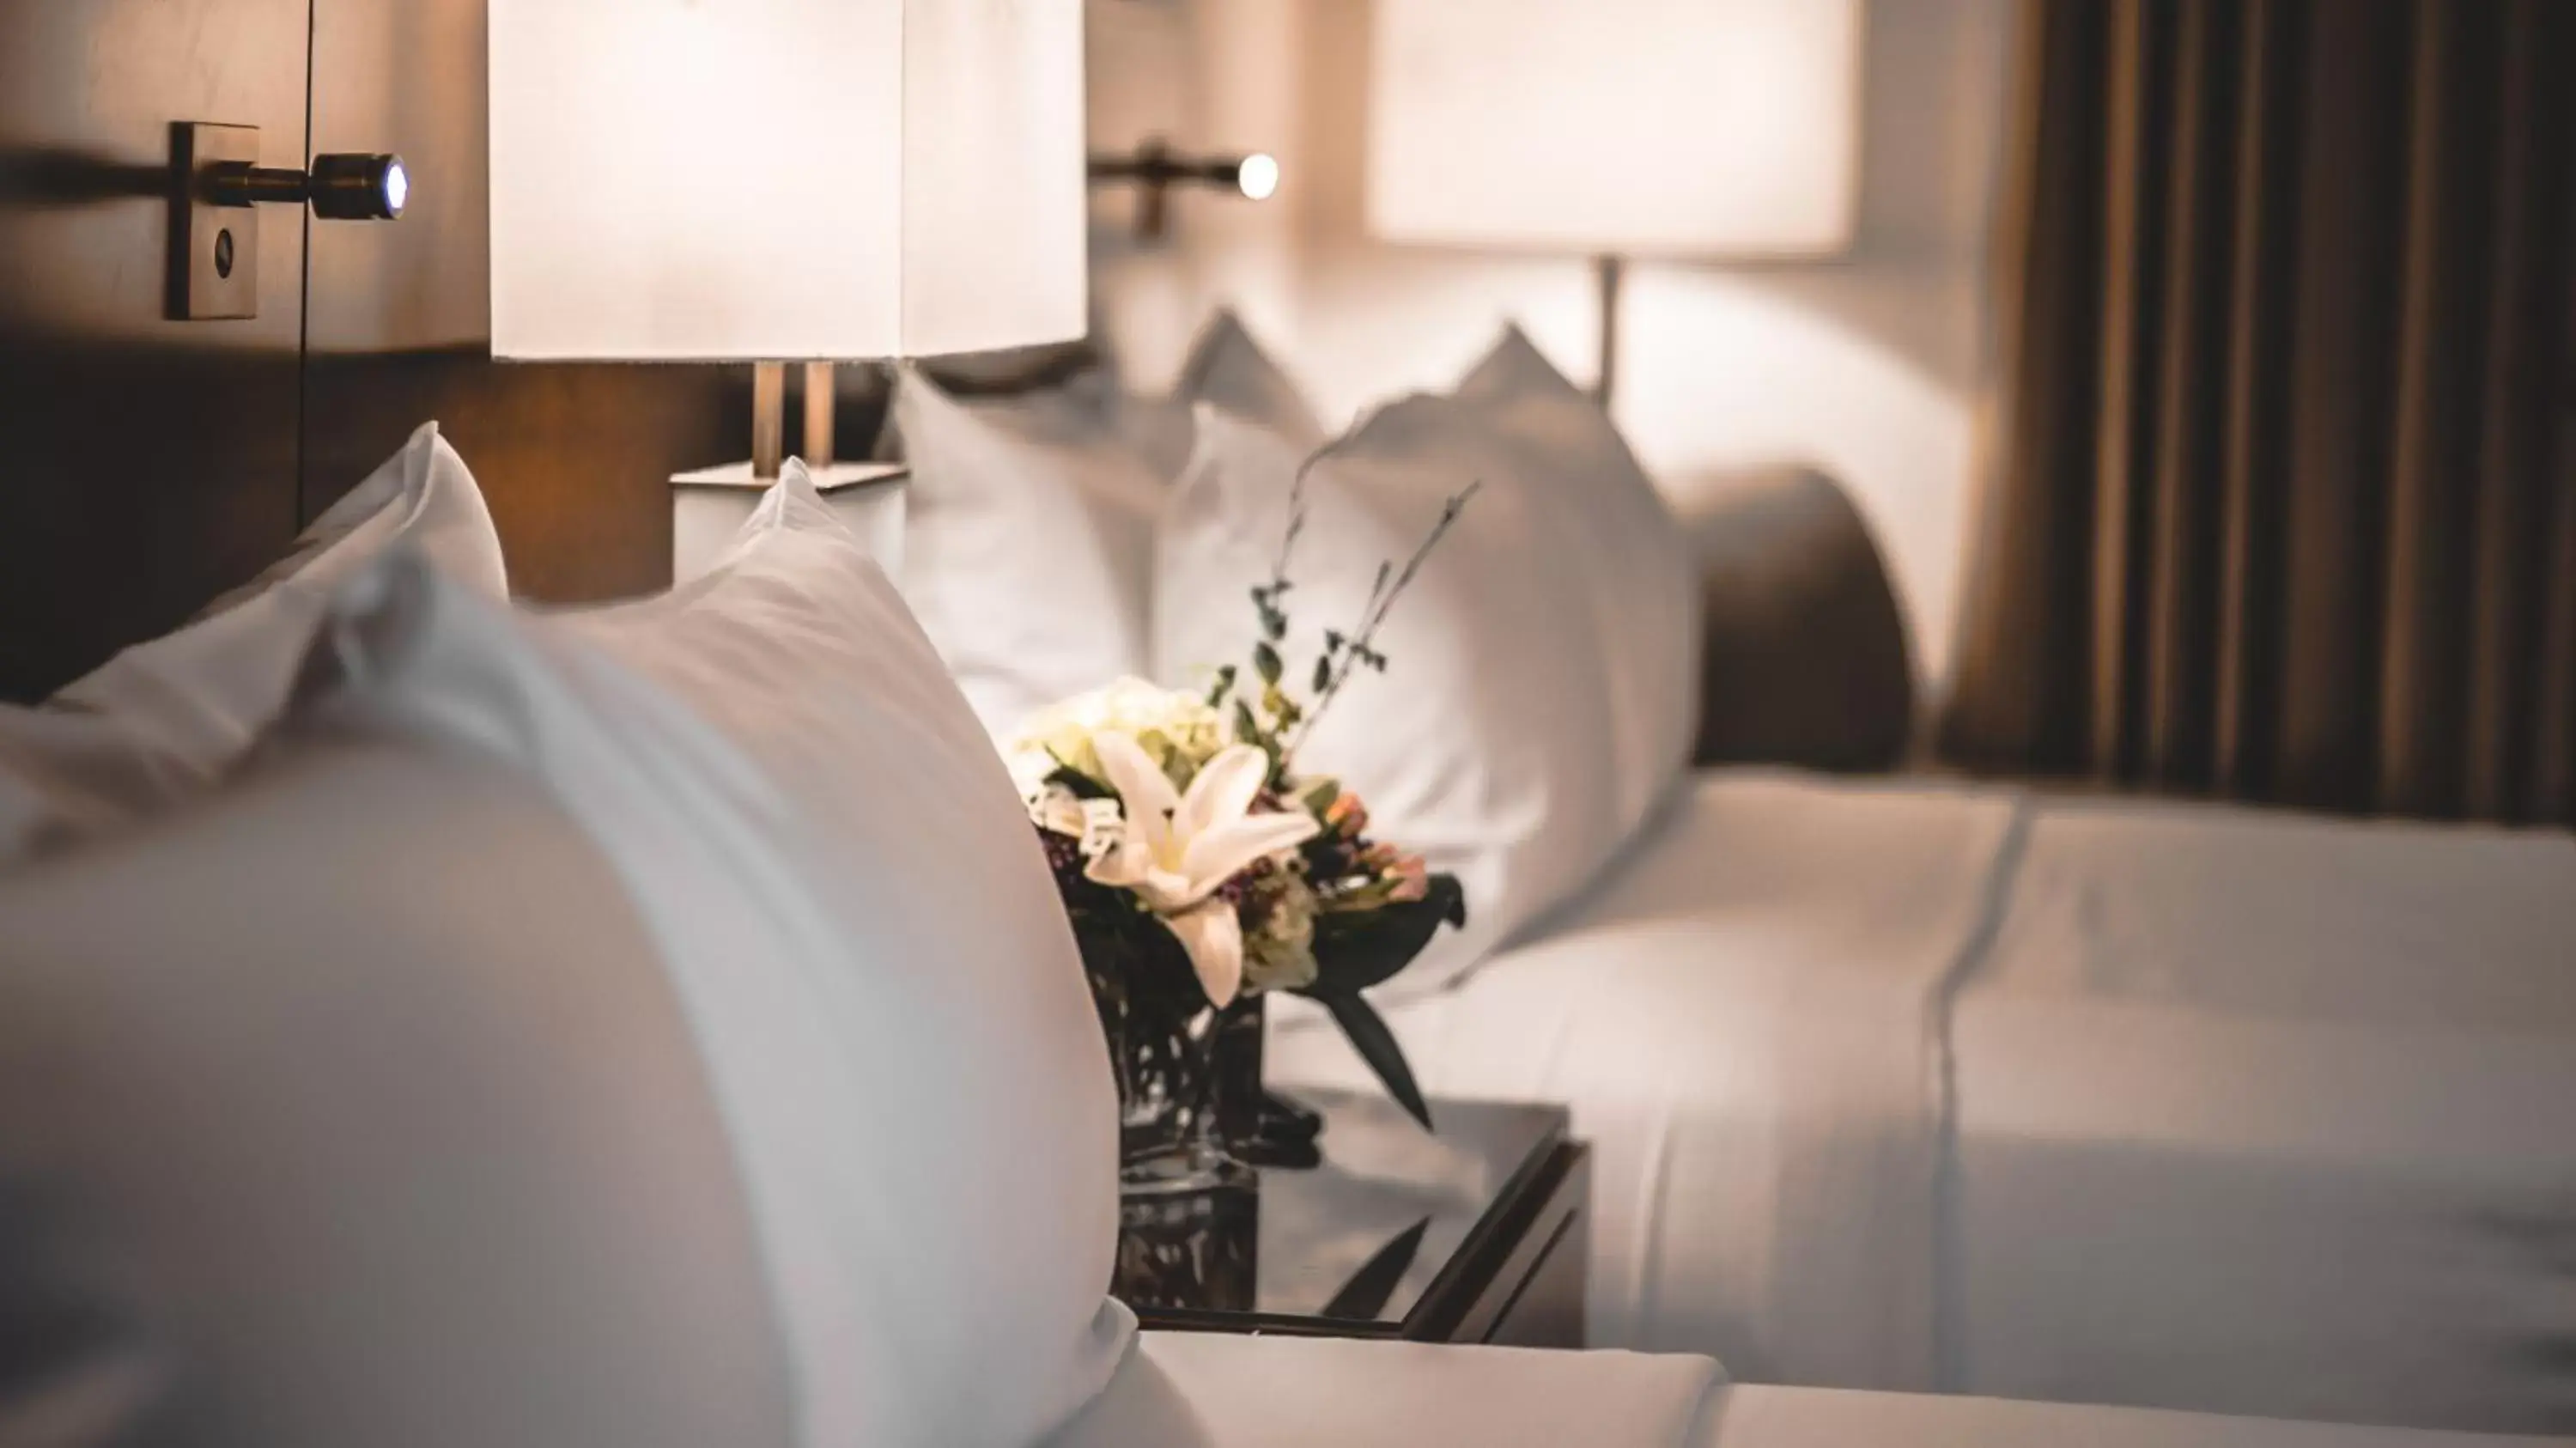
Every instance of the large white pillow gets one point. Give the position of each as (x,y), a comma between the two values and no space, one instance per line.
(1486,743)
(1616,533)
(351,1104)
(163,720)
(860,927)
(1228,366)
(1028,548)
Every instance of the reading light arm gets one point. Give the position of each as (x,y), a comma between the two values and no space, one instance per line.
(345,187)
(1154,168)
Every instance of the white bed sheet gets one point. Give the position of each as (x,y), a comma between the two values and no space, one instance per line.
(1742,1019)
(1903,1086)
(1749,1416)
(1211,1390)
(2264,1113)
(1179,1390)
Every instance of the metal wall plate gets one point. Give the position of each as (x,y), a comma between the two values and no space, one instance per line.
(214,249)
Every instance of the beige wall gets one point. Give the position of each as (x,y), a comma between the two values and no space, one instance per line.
(1871,365)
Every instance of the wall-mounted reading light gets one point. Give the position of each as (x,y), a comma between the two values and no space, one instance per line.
(1258,176)
(216,184)
(1155,168)
(341,188)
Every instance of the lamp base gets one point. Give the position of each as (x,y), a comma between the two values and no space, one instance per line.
(710,505)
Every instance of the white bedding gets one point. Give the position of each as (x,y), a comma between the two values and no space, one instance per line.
(1195,1390)
(1909,1086)
(2269,1114)
(1180,1390)
(1742,1020)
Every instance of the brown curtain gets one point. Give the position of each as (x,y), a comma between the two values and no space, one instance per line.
(2283,501)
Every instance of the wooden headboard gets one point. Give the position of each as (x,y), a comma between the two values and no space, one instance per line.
(145,465)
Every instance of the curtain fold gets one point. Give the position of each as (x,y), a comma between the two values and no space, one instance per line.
(2282,504)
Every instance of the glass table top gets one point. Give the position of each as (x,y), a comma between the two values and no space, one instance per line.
(1359,1239)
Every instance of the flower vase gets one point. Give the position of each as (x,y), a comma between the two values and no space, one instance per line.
(1176,1060)
(1197,1251)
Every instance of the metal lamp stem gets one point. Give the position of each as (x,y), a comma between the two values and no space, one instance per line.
(819,398)
(1609,272)
(768,418)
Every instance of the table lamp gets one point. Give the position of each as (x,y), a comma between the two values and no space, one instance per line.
(776,181)
(1687,129)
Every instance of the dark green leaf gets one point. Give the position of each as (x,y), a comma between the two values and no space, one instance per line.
(1265,662)
(1376,1044)
(1323,674)
(1357,949)
(1079,784)
(1247,729)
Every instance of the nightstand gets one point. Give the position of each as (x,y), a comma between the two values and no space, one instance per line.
(1476,1234)
(709,507)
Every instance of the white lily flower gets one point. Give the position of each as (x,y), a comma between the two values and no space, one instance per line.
(1178,849)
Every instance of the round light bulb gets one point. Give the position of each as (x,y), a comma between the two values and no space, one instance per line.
(397,188)
(1260,176)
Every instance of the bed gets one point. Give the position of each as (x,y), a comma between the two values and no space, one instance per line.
(1922,1086)
(224,1068)
(1190,1391)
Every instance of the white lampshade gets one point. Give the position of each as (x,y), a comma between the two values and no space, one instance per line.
(827,180)
(1685,128)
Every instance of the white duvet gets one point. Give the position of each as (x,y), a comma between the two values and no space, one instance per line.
(1187,1390)
(1920,1087)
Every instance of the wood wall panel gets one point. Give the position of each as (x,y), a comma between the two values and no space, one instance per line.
(574,460)
(145,465)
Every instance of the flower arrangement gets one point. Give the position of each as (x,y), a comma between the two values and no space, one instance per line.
(1201,867)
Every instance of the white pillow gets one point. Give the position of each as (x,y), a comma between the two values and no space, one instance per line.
(351,1105)
(1029,539)
(1635,564)
(1485,744)
(1028,546)
(163,720)
(861,928)
(1229,367)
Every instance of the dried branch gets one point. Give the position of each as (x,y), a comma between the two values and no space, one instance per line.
(1345,655)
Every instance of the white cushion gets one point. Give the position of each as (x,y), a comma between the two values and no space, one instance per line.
(164,719)
(1632,559)
(1028,549)
(861,929)
(1226,365)
(1229,367)
(350,1104)
(1486,743)
(1028,546)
